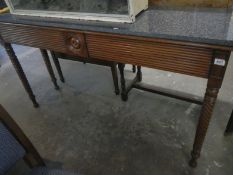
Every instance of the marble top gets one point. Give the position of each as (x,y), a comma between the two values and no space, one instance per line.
(199,25)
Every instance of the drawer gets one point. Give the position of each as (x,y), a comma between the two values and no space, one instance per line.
(64,41)
(190,60)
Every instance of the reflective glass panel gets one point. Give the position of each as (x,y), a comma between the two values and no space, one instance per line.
(85,6)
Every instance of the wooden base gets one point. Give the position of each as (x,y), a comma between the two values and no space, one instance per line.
(49,68)
(20,72)
(136,84)
(215,79)
(111,64)
(58,66)
(190,58)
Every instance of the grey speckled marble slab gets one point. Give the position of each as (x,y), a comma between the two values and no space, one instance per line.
(209,26)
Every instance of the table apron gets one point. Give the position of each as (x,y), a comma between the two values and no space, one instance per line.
(179,58)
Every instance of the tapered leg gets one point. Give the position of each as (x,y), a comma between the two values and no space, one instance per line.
(20,72)
(206,113)
(216,75)
(139,73)
(49,67)
(134,68)
(124,94)
(58,66)
(115,78)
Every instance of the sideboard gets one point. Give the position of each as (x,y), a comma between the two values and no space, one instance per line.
(195,42)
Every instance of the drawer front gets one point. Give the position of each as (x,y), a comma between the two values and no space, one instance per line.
(190,60)
(68,42)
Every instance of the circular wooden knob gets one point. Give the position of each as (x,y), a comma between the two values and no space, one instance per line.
(75,43)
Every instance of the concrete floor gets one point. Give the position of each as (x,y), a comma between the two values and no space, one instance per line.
(86,129)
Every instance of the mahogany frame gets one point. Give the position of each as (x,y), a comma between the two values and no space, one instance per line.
(195,59)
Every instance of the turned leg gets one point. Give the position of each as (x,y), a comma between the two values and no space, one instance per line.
(206,113)
(20,72)
(139,73)
(115,78)
(58,66)
(124,94)
(134,68)
(49,67)
(215,79)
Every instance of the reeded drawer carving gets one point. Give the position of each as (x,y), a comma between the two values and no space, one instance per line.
(165,56)
(170,56)
(69,42)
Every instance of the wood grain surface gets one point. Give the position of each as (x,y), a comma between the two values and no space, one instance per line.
(165,56)
(176,56)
